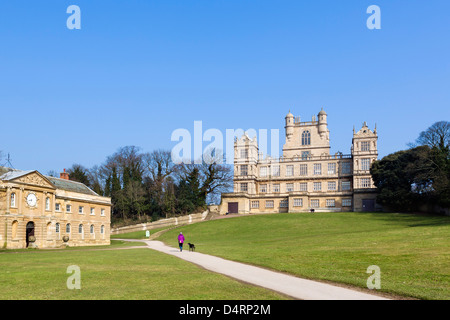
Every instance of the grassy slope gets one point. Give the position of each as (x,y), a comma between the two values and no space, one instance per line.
(115,274)
(412,251)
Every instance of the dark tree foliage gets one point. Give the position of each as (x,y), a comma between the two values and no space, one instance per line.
(409,179)
(79,173)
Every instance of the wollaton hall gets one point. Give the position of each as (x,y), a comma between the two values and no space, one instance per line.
(307,177)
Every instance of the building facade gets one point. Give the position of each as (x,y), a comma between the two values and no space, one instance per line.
(307,177)
(48,212)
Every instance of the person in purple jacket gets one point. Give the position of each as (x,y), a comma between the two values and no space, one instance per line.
(181,241)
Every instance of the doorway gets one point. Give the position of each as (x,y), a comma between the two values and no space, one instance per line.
(29,231)
(368,205)
(233,207)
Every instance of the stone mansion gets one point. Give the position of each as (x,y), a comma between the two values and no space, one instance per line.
(48,212)
(307,176)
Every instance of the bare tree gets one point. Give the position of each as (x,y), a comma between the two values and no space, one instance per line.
(216,175)
(159,165)
(438,135)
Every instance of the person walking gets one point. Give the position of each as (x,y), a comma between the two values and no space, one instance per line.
(181,241)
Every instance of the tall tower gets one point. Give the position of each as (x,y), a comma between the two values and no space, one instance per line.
(364,153)
(245,164)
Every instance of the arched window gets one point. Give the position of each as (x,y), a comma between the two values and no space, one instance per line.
(57,227)
(15,224)
(92,229)
(68,228)
(80,228)
(102,229)
(306,138)
(13,200)
(49,230)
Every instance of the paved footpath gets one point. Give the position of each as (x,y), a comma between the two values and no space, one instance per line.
(297,288)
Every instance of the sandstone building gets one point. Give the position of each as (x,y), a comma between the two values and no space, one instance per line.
(48,212)
(307,177)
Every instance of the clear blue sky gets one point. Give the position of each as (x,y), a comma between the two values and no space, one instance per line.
(138,70)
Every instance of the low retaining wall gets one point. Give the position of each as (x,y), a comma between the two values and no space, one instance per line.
(192,218)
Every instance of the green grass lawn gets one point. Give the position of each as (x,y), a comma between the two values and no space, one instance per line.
(412,251)
(115,274)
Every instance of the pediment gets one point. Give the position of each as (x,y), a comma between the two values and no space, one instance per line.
(35,179)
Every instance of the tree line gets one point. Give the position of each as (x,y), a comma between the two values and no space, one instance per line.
(149,186)
(417,179)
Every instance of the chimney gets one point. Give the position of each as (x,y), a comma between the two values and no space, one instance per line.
(64,175)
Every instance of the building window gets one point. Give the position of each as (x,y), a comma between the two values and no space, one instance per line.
(92,211)
(276,188)
(255,204)
(13,200)
(306,138)
(269,203)
(346,202)
(103,212)
(314,203)
(330,203)
(289,187)
(57,227)
(68,228)
(47,204)
(263,188)
(365,146)
(298,202)
(317,168)
(346,185)
(346,168)
(331,185)
(317,186)
(57,207)
(244,187)
(244,170)
(332,168)
(263,171)
(276,171)
(68,208)
(303,186)
(365,183)
(244,153)
(80,228)
(306,155)
(289,170)
(92,229)
(365,164)
(81,210)
(284,203)
(102,229)
(303,169)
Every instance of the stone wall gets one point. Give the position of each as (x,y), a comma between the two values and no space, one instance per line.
(192,218)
